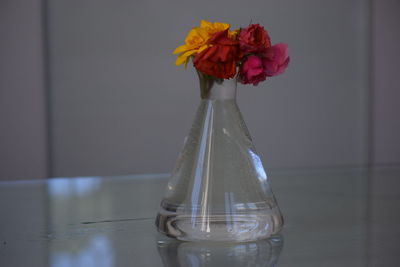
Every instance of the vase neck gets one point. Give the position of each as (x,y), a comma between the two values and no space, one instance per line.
(217,89)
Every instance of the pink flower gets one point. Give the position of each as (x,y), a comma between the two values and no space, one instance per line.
(272,62)
(252,71)
(275,59)
(253,39)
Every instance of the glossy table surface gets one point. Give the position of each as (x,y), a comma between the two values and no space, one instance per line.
(333,217)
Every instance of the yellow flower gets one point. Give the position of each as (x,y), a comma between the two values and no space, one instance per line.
(197,40)
(212,28)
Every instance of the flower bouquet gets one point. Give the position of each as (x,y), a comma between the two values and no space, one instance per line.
(219,53)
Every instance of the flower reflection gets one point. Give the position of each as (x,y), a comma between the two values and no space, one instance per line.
(263,253)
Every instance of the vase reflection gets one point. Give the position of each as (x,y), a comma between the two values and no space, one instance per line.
(263,253)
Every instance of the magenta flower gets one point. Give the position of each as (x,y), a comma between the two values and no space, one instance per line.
(252,71)
(275,59)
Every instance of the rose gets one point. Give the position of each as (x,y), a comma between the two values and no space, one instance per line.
(252,71)
(272,62)
(254,39)
(218,60)
(275,59)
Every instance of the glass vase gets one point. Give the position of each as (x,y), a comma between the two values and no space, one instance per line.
(219,190)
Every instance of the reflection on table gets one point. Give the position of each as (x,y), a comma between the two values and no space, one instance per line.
(337,217)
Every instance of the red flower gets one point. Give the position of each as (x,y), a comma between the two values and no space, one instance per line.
(254,39)
(219,60)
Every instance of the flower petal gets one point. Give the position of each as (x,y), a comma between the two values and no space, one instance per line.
(180,49)
(182,58)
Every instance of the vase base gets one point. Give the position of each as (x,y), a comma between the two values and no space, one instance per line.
(237,227)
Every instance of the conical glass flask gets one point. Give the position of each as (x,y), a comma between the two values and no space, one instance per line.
(219,190)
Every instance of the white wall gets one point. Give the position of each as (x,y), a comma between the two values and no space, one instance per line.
(23,147)
(119,110)
(119,105)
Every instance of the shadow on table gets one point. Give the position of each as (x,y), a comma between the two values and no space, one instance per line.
(264,253)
